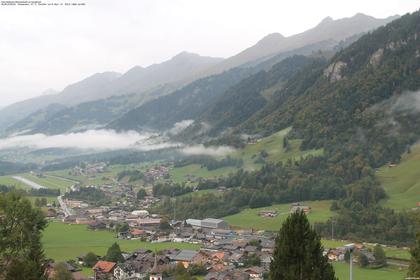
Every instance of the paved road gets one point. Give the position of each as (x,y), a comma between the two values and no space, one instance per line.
(29,182)
(63,205)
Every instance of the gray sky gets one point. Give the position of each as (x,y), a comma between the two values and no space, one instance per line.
(50,47)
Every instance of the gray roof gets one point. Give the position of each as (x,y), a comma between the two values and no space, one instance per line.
(185,255)
(211,220)
(194,222)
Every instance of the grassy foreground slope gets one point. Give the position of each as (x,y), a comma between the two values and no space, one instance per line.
(386,273)
(320,212)
(10,181)
(402,182)
(63,241)
(272,144)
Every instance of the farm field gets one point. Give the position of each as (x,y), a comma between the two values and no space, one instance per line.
(49,182)
(391,252)
(273,145)
(386,273)
(96,179)
(63,241)
(249,217)
(402,182)
(9,181)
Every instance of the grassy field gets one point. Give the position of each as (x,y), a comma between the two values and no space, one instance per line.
(273,145)
(391,252)
(9,181)
(249,217)
(386,273)
(96,179)
(402,183)
(49,182)
(63,242)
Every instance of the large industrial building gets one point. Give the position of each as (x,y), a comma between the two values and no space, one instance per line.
(208,223)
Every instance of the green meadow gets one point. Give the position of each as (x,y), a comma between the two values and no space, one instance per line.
(64,241)
(386,273)
(320,212)
(272,144)
(402,182)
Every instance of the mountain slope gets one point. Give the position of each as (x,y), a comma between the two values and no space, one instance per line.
(17,111)
(327,29)
(243,100)
(339,102)
(183,104)
(180,67)
(164,77)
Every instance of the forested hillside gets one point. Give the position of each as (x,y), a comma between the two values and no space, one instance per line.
(359,109)
(183,104)
(251,94)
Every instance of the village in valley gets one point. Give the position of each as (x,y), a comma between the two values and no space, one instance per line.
(123,207)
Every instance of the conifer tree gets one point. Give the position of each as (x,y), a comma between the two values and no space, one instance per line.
(114,253)
(298,253)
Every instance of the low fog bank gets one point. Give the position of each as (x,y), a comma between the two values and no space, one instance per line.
(88,140)
(110,140)
(210,151)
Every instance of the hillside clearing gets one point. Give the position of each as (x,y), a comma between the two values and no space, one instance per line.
(249,218)
(402,182)
(272,145)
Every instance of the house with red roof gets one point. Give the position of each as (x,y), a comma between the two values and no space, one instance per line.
(104,270)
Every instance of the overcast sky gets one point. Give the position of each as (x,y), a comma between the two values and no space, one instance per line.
(52,46)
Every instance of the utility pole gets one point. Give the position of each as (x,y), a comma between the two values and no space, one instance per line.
(350,248)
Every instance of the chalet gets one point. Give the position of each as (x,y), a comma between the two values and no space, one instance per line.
(255,272)
(103,270)
(97,225)
(218,256)
(137,233)
(236,258)
(227,275)
(268,213)
(185,257)
(296,207)
(148,222)
(250,249)
(266,261)
(336,254)
(131,270)
(51,266)
(83,221)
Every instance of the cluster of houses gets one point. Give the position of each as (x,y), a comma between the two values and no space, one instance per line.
(89,169)
(216,264)
(338,254)
(157,172)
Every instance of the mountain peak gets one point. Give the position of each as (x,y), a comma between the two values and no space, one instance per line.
(326,20)
(50,91)
(271,38)
(185,54)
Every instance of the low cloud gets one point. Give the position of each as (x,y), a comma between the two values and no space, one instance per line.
(91,139)
(180,126)
(210,151)
(407,102)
